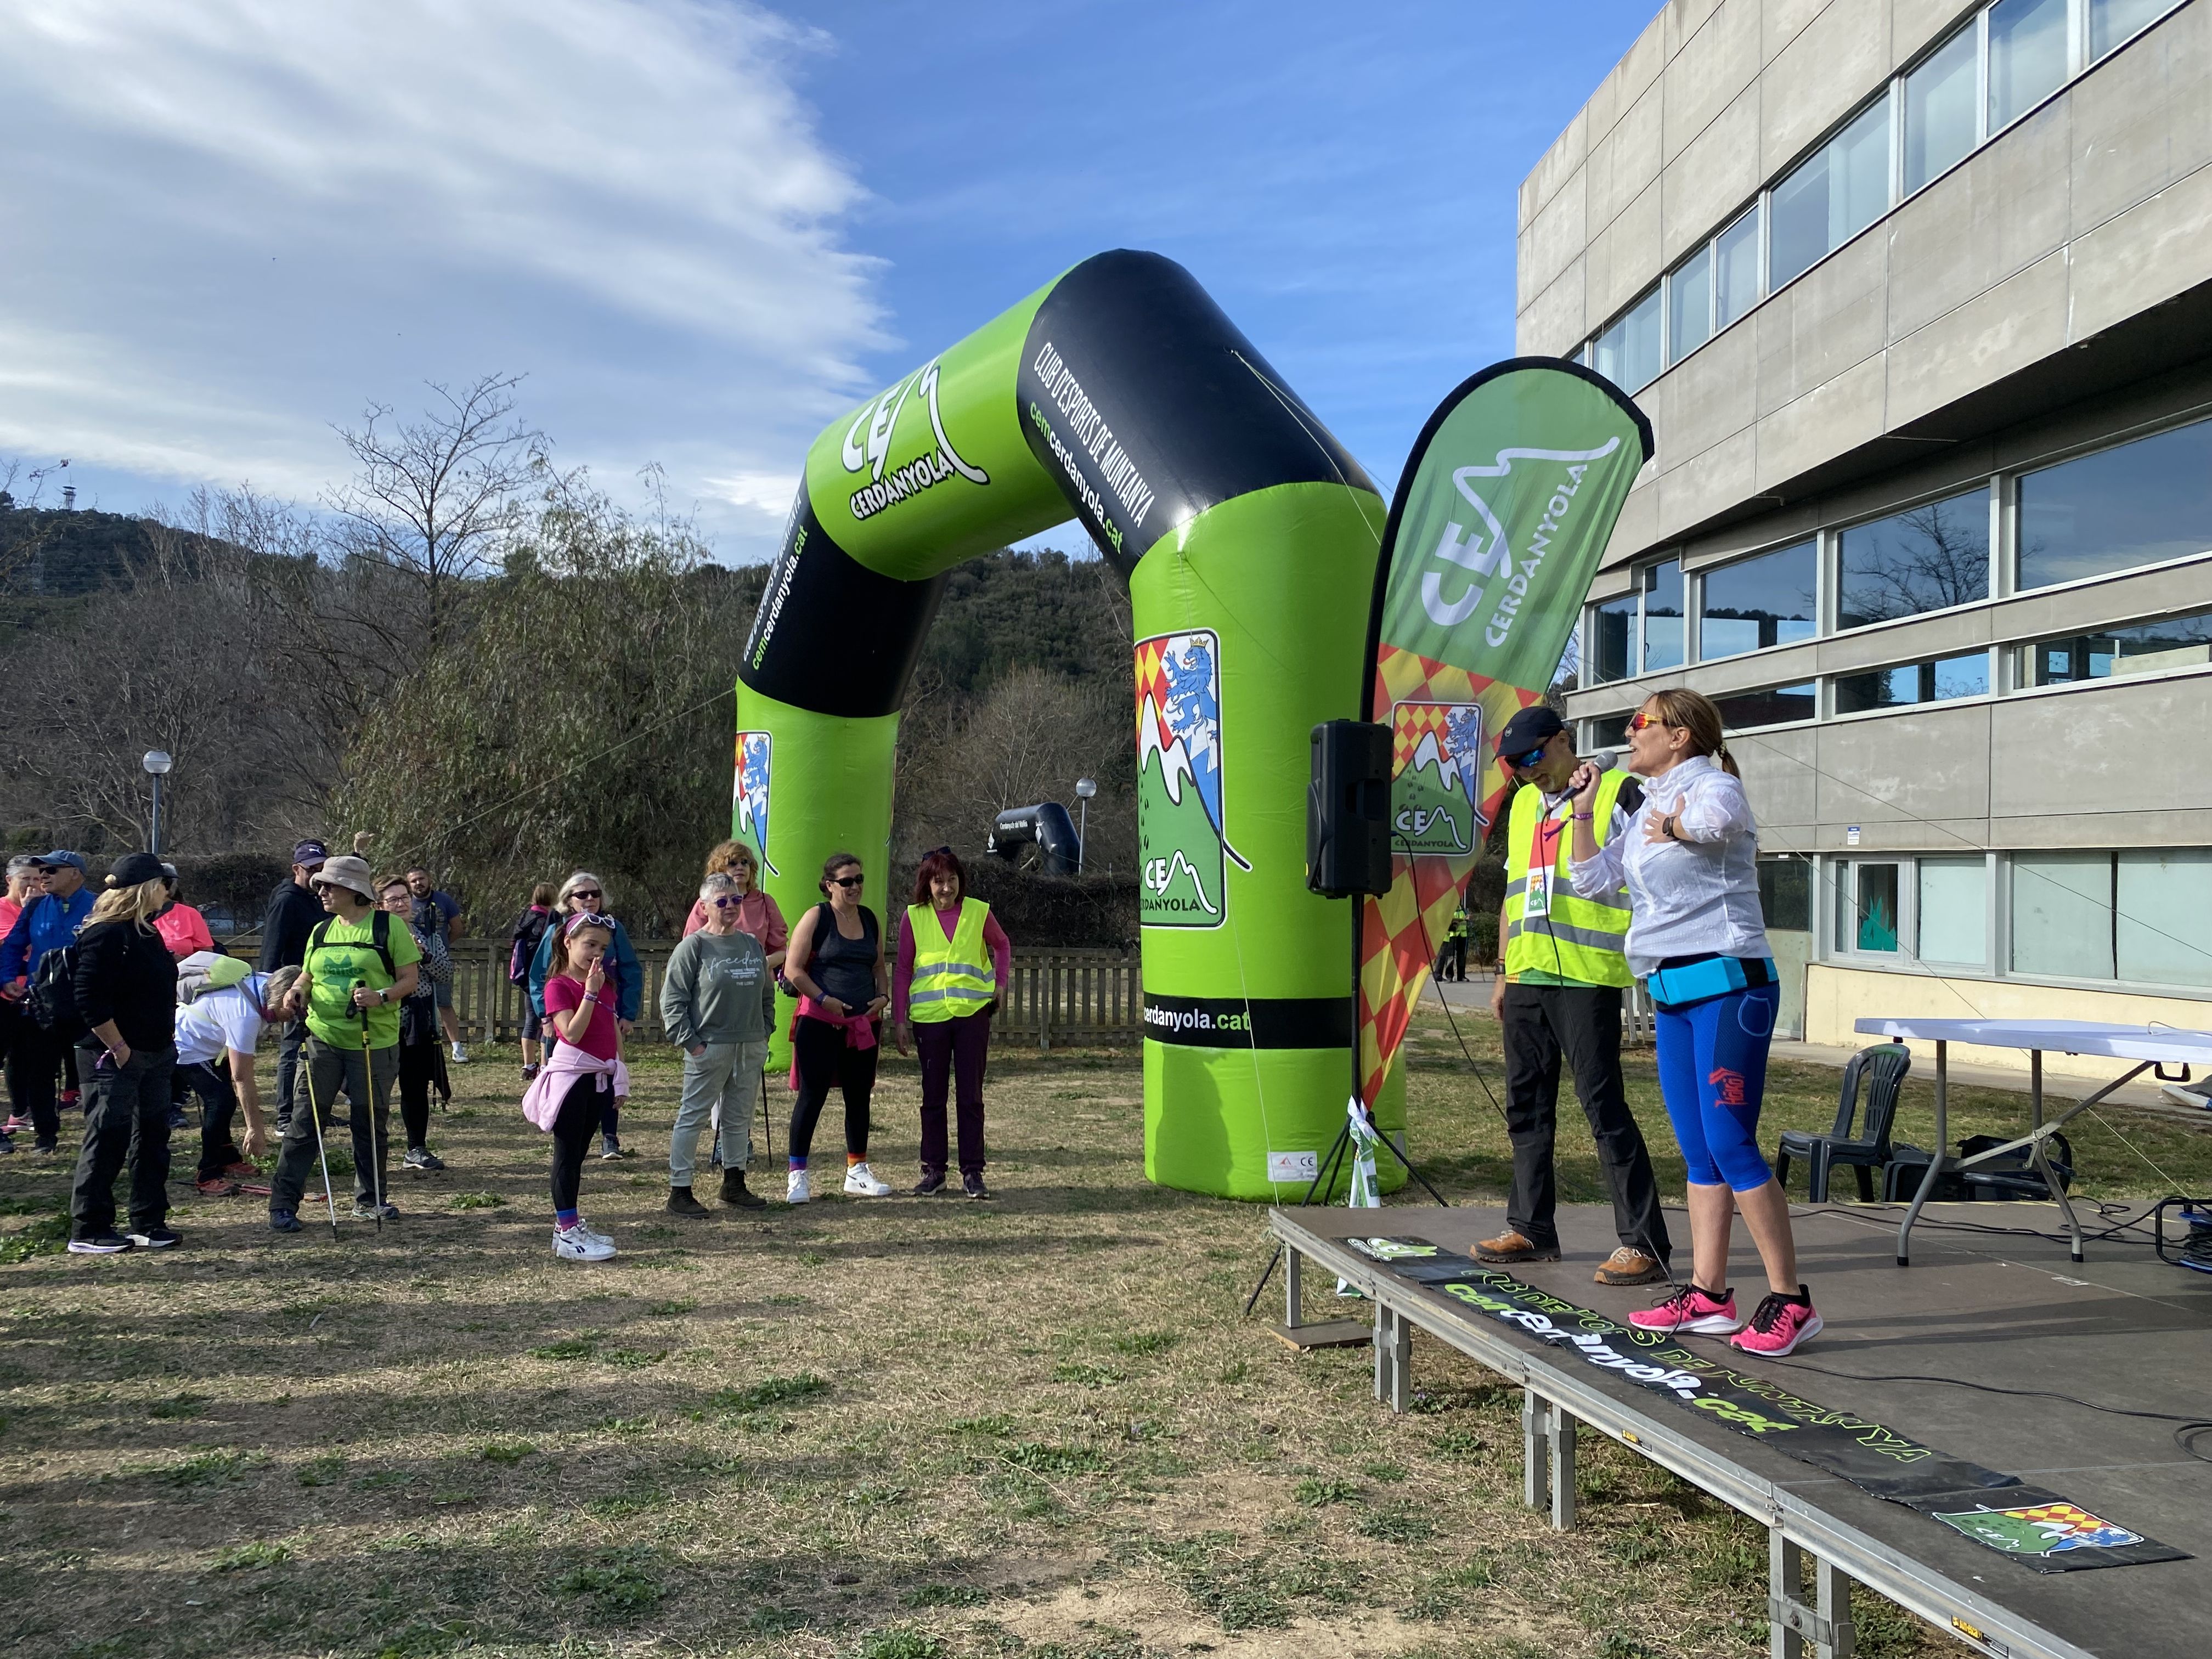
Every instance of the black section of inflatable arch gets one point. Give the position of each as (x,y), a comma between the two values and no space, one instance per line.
(832,635)
(1159,404)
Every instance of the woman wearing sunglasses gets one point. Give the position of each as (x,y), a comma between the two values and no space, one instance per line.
(836,964)
(1697,937)
(584,894)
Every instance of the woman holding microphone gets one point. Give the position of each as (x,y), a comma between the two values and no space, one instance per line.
(1697,938)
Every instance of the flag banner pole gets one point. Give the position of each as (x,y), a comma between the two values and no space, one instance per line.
(1505,507)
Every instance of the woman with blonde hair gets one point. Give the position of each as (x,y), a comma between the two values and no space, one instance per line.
(125,986)
(1690,860)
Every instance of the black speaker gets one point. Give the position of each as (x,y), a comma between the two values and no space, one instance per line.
(1348,810)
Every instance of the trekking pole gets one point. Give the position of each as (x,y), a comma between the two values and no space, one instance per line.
(323,1157)
(376,1152)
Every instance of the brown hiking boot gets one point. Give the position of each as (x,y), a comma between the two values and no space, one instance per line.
(1511,1246)
(1628,1265)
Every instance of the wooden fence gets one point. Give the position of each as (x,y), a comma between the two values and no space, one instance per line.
(1055,996)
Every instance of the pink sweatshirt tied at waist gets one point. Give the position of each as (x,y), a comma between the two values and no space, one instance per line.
(549,1090)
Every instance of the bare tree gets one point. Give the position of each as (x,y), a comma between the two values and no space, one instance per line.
(1925,560)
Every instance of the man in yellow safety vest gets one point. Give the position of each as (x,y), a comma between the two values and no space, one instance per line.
(1558,995)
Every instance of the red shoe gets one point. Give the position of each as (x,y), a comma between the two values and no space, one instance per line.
(1690,1309)
(1780,1324)
(241,1171)
(216,1187)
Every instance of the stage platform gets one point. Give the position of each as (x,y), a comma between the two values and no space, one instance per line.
(2122,1329)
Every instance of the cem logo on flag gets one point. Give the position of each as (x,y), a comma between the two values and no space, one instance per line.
(1179,822)
(867,447)
(749,795)
(1435,778)
(1482,552)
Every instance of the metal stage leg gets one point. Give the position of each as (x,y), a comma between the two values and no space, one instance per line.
(1936,1154)
(1394,1358)
(1796,1631)
(2042,1163)
(1294,1289)
(1547,1458)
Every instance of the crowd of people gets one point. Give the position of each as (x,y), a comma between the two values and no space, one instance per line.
(117,1005)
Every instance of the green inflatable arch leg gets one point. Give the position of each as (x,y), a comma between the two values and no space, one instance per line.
(1249,538)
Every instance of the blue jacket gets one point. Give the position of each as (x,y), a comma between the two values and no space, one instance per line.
(622,968)
(47,923)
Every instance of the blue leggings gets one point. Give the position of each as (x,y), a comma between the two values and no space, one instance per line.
(1712,1071)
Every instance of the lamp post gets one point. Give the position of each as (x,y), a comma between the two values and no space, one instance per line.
(157,764)
(1084,789)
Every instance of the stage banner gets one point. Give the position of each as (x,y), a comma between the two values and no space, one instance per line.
(1505,504)
(2038,1528)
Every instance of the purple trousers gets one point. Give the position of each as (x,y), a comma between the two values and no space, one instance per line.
(951,1052)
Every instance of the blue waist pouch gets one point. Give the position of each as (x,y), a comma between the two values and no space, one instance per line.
(1681,981)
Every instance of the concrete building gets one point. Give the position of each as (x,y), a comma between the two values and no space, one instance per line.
(1918,297)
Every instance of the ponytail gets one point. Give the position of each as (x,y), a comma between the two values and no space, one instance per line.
(1698,714)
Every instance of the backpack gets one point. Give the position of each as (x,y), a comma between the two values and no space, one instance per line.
(52,998)
(380,939)
(209,971)
(529,933)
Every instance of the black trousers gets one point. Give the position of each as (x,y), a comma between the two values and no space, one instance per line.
(824,1059)
(1545,1024)
(129,1115)
(1455,957)
(289,1043)
(218,1105)
(419,1069)
(35,1056)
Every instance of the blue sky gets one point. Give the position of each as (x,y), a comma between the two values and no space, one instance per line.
(702,229)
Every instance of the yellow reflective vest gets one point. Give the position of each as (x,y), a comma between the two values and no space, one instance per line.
(951,976)
(1548,929)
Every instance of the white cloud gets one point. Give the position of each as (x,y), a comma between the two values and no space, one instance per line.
(234,221)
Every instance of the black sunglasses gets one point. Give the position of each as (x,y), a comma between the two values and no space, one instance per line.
(589,895)
(847,881)
(1521,762)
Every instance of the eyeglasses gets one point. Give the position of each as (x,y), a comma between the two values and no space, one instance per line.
(1642,722)
(1521,762)
(589,895)
(727,903)
(848,882)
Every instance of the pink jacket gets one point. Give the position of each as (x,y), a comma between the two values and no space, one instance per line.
(549,1090)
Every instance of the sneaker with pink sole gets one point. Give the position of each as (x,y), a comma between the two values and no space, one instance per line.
(1692,1309)
(1779,1325)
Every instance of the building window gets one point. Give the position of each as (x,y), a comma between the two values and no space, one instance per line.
(1628,352)
(2061,914)
(1663,616)
(1777,705)
(1927,559)
(1612,639)
(2162,915)
(1867,919)
(2137,504)
(2145,648)
(1609,732)
(1915,682)
(2027,56)
(1736,270)
(1785,895)
(2113,22)
(1690,305)
(1754,603)
(1835,193)
(1941,122)
(1953,912)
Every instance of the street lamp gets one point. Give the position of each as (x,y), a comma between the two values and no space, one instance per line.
(157,764)
(1084,789)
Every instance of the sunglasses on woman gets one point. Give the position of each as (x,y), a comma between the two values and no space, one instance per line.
(589,895)
(727,902)
(847,881)
(1642,722)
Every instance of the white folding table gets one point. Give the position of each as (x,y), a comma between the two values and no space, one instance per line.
(2160,1046)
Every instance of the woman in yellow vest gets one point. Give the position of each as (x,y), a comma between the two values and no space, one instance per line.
(943,988)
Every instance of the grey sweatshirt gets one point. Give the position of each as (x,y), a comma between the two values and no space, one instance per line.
(712,993)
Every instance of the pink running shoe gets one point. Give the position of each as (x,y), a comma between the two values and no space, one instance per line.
(1690,1309)
(1780,1324)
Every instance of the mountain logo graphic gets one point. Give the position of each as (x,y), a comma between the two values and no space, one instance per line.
(749,795)
(2040,1528)
(1437,763)
(1184,854)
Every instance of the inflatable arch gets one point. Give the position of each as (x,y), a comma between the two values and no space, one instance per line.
(1248,536)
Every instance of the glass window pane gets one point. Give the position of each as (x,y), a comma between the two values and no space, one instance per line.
(1866,907)
(1690,305)
(1612,627)
(1768,600)
(1736,270)
(2112,22)
(1927,559)
(2027,56)
(2139,503)
(2061,914)
(1663,615)
(2162,925)
(1628,352)
(1800,209)
(1938,110)
(1785,894)
(1774,705)
(1958,677)
(1834,194)
(1954,910)
(1609,732)
(2145,648)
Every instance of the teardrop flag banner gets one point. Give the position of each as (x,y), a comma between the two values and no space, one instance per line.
(1504,508)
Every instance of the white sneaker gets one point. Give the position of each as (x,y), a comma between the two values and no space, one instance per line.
(594,1234)
(460,1054)
(860,1182)
(581,1243)
(801,1188)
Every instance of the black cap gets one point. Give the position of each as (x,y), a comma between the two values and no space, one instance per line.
(1531,728)
(310,855)
(133,868)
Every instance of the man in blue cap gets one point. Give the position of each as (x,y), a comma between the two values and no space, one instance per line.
(47,923)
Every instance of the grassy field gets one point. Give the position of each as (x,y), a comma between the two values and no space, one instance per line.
(892,1430)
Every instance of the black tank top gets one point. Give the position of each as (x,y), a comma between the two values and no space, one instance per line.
(845,968)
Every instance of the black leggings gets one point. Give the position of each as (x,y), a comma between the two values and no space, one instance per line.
(824,1060)
(418,1069)
(573,1129)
